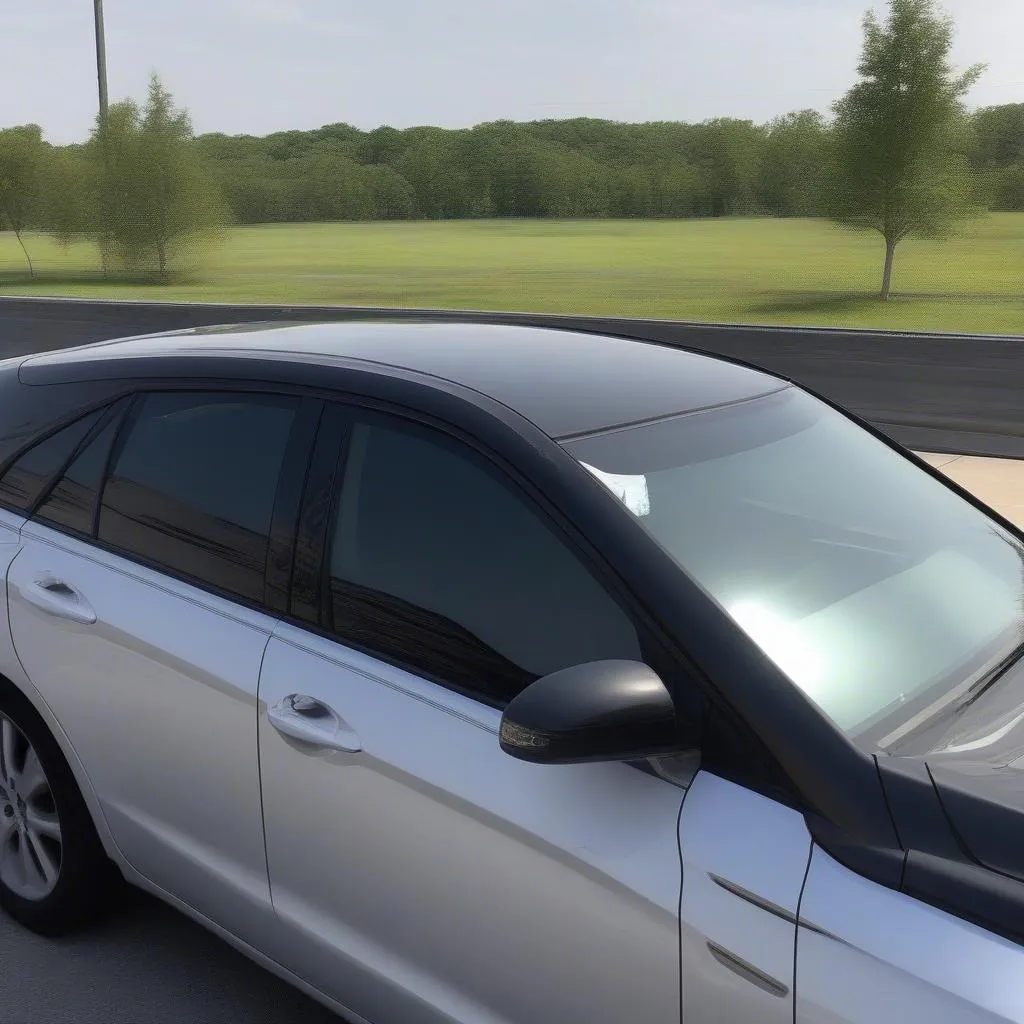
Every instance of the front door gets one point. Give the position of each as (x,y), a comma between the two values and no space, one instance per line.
(422,874)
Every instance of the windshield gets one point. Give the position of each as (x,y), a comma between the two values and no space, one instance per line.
(873,586)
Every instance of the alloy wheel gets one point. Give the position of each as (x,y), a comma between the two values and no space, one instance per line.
(30,830)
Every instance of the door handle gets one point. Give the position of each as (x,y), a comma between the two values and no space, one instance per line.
(310,721)
(55,597)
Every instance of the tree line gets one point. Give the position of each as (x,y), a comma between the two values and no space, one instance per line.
(143,186)
(571,168)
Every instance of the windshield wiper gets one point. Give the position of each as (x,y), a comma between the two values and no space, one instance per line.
(987,681)
(945,707)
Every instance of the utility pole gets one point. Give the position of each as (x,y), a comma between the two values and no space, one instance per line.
(101,59)
(101,80)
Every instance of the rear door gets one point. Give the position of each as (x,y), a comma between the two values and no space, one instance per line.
(22,483)
(422,874)
(140,608)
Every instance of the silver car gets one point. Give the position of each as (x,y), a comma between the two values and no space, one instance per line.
(497,675)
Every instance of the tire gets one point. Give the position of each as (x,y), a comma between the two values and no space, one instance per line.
(55,876)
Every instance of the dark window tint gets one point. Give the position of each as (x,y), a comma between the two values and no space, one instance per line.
(72,502)
(29,476)
(194,483)
(440,566)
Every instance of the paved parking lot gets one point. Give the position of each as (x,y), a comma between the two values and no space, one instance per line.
(148,965)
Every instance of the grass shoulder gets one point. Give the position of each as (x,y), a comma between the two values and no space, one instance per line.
(744,270)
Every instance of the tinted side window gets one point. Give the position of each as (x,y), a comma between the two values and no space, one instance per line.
(438,565)
(192,488)
(72,502)
(30,475)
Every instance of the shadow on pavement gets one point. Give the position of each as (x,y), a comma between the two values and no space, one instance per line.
(147,964)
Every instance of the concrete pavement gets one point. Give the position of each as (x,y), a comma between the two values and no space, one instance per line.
(998,482)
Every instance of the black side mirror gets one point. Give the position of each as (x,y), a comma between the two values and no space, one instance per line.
(601,711)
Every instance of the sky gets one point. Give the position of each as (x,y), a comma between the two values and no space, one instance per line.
(257,66)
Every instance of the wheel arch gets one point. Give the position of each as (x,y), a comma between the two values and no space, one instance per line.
(22,691)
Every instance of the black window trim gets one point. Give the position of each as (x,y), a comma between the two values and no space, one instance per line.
(306,602)
(336,434)
(118,409)
(44,435)
(102,406)
(127,419)
(303,430)
(65,420)
(291,486)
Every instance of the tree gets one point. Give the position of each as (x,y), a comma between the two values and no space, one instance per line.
(998,154)
(383,145)
(393,197)
(630,192)
(110,187)
(792,165)
(727,152)
(900,134)
(150,197)
(23,156)
(180,201)
(677,187)
(432,168)
(332,187)
(65,211)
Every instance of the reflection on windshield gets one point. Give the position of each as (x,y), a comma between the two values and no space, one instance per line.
(870,584)
(630,490)
(783,643)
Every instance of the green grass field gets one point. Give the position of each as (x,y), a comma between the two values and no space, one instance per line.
(758,271)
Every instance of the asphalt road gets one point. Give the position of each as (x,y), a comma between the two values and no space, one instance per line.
(940,393)
(148,964)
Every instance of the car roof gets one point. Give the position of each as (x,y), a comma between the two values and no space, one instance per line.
(568,383)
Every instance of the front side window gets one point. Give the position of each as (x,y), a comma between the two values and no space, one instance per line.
(439,565)
(193,486)
(875,588)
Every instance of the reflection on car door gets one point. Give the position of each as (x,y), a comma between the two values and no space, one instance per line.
(151,674)
(423,875)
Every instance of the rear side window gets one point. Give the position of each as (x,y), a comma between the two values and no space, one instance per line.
(27,479)
(440,565)
(193,486)
(72,502)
